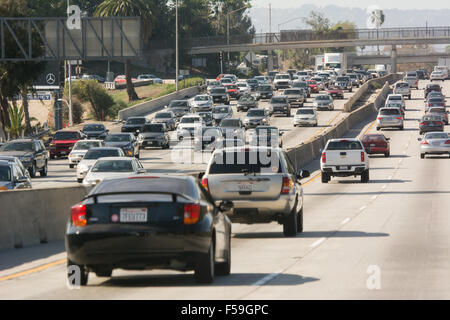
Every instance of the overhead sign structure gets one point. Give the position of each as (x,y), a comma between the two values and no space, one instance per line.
(96,39)
(250,57)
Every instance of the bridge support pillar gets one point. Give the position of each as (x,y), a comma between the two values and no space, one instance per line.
(394,59)
(269,61)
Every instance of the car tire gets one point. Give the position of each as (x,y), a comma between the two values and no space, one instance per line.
(300,221)
(84,272)
(224,268)
(290,223)
(350,90)
(79,180)
(422,156)
(32,170)
(138,155)
(409,97)
(71,166)
(387,154)
(44,170)
(401,128)
(204,269)
(325,177)
(378,129)
(104,273)
(52,157)
(365,176)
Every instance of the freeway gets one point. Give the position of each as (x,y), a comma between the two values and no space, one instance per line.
(165,161)
(387,239)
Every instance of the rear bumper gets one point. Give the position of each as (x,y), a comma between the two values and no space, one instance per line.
(353,170)
(305,121)
(390,124)
(375,150)
(434,150)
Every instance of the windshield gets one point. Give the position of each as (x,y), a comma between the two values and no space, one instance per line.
(242,85)
(230,123)
(191,120)
(232,87)
(282,76)
(220,110)
(221,90)
(402,85)
(113,166)
(395,98)
(344,145)
(264,88)
(205,115)
(342,79)
(211,132)
(118,138)
(226,80)
(252,81)
(437,110)
(323,98)
(305,111)
(300,84)
(101,153)
(278,100)
(233,162)
(94,127)
(255,112)
(65,136)
(436,135)
(153,128)
(201,98)
(164,115)
(86,145)
(247,98)
(18,146)
(136,121)
(5,173)
(292,92)
(178,103)
(389,112)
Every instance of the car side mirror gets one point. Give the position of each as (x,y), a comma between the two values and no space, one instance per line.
(367,150)
(225,206)
(141,171)
(200,175)
(22,179)
(388,139)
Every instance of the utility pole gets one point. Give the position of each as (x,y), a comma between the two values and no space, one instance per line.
(176,46)
(70,82)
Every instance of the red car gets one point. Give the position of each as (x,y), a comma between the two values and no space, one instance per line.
(122,79)
(63,142)
(313,86)
(376,144)
(336,91)
(233,90)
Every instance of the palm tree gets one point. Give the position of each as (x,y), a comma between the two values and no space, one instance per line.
(127,8)
(377,19)
(16,116)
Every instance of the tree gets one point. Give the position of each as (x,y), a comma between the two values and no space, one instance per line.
(377,19)
(93,92)
(16,116)
(127,8)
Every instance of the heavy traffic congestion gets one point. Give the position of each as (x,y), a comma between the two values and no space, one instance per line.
(185,187)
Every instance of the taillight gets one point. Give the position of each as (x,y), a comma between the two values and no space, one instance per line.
(324,157)
(422,123)
(399,118)
(424,142)
(191,213)
(379,118)
(79,215)
(287,185)
(447,142)
(363,156)
(205,183)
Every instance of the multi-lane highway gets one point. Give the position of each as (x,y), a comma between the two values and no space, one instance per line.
(167,161)
(389,239)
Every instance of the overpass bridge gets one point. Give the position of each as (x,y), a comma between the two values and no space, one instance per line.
(419,57)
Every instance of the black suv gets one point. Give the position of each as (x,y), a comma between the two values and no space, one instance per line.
(31,152)
(134,124)
(220,95)
(95,131)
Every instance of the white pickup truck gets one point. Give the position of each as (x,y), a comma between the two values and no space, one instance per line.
(344,158)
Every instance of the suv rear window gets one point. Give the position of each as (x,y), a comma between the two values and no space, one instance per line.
(402,85)
(344,145)
(250,162)
(389,112)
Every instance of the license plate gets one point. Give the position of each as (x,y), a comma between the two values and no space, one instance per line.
(342,168)
(343,156)
(133,215)
(246,187)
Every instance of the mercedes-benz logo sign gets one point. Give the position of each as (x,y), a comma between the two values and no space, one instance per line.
(50,78)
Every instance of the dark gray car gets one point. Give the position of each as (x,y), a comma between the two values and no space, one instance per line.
(221,112)
(126,141)
(95,131)
(256,117)
(280,104)
(31,153)
(246,102)
(154,135)
(134,124)
(295,96)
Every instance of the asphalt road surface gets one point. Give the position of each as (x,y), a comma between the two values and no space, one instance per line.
(387,239)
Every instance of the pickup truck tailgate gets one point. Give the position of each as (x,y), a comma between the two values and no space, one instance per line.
(343,157)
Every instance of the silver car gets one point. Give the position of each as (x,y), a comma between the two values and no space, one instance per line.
(389,118)
(323,101)
(166,117)
(262,183)
(202,102)
(306,116)
(232,128)
(93,155)
(256,117)
(221,112)
(113,167)
(434,143)
(80,148)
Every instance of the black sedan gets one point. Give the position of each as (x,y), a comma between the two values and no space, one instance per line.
(148,222)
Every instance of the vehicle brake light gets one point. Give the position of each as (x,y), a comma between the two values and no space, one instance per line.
(424,142)
(191,213)
(363,157)
(447,142)
(204,183)
(422,123)
(379,118)
(79,215)
(399,118)
(287,185)
(324,157)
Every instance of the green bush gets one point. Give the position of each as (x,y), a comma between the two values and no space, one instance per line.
(93,92)
(376,85)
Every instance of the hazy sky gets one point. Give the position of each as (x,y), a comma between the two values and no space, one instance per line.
(383,4)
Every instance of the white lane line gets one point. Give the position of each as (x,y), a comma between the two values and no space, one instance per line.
(362,208)
(345,221)
(390,178)
(266,279)
(315,244)
(374,197)
(404,152)
(384,187)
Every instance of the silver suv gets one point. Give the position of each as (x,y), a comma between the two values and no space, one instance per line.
(262,182)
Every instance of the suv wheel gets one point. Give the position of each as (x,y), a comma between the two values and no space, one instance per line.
(300,221)
(325,177)
(224,268)
(204,270)
(32,170)
(290,224)
(44,170)
(422,156)
(365,176)
(71,165)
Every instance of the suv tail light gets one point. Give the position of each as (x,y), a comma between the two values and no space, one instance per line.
(399,118)
(447,142)
(287,185)
(424,142)
(191,213)
(363,156)
(204,183)
(79,215)
(324,157)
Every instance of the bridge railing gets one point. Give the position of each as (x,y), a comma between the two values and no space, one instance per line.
(309,35)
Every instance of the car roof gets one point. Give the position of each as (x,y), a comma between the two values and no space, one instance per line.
(5,163)
(120,134)
(21,140)
(104,148)
(88,140)
(117,158)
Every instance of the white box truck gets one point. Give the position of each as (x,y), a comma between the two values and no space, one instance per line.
(336,61)
(319,62)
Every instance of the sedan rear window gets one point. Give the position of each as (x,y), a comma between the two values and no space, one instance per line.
(113,166)
(437,110)
(250,162)
(389,112)
(436,135)
(96,154)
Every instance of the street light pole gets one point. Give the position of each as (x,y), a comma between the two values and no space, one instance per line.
(228,32)
(176,45)
(70,82)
